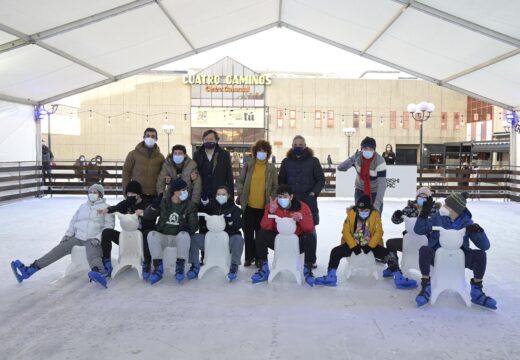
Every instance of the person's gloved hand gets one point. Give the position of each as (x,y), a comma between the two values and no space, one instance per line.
(474,228)
(238,201)
(65,238)
(377,205)
(273,205)
(297,216)
(398,214)
(356,249)
(95,242)
(204,200)
(156,202)
(356,156)
(186,228)
(366,249)
(427,208)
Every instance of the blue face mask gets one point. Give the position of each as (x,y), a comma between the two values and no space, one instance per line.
(178,159)
(364,214)
(261,155)
(367,154)
(184,195)
(298,150)
(283,202)
(221,199)
(421,201)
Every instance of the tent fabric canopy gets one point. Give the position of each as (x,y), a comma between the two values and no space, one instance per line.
(50,49)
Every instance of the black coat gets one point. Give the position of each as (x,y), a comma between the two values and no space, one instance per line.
(216,172)
(124,207)
(305,175)
(232,215)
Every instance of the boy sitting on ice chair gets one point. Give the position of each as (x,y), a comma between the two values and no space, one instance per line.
(363,231)
(453,215)
(286,206)
(85,229)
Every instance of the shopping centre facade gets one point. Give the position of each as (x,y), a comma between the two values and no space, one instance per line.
(244,106)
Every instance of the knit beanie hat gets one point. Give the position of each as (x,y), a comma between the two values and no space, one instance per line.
(134,187)
(457,201)
(364,203)
(99,188)
(368,142)
(425,190)
(178,184)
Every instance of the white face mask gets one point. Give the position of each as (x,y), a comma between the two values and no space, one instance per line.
(150,142)
(444,212)
(93,197)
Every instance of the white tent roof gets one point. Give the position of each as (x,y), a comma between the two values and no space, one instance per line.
(50,49)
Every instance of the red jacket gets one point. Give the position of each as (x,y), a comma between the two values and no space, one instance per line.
(305,225)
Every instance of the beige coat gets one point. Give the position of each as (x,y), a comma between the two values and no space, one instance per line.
(188,167)
(144,167)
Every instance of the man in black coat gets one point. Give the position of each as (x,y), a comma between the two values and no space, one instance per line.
(302,170)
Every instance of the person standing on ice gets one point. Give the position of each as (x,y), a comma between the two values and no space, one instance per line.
(371,173)
(363,231)
(286,205)
(178,221)
(453,215)
(84,229)
(411,210)
(144,163)
(224,205)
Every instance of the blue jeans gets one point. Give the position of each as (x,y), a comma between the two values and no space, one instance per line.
(358,193)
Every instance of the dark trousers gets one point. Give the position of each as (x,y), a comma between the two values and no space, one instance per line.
(394,245)
(475,260)
(265,239)
(342,251)
(252,219)
(109,236)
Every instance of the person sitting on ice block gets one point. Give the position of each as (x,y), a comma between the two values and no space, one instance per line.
(363,231)
(453,215)
(85,229)
(286,206)
(224,205)
(177,222)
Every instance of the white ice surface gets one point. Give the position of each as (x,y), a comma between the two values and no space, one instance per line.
(52,317)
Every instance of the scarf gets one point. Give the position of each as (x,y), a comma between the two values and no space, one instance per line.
(365,176)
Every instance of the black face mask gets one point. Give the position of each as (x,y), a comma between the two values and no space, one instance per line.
(210,145)
(131,200)
(298,150)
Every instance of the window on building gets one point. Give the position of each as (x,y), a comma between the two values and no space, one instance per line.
(355,122)
(369,120)
(317,119)
(406,119)
(279,118)
(330,118)
(292,118)
(393,119)
(444,120)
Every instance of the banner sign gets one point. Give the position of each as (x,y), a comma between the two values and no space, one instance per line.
(227,117)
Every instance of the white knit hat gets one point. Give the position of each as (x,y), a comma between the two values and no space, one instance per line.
(425,190)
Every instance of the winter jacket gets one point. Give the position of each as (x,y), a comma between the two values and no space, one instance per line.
(173,218)
(305,225)
(124,207)
(187,167)
(232,215)
(377,175)
(305,175)
(47,157)
(411,211)
(389,157)
(243,182)
(375,228)
(424,227)
(143,166)
(216,172)
(87,224)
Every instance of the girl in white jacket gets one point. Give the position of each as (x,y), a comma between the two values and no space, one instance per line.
(84,230)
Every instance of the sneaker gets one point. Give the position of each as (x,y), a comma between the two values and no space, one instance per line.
(157,272)
(328,280)
(22,272)
(308,275)
(262,274)
(193,272)
(232,275)
(424,295)
(402,282)
(107,263)
(479,297)
(387,273)
(98,277)
(146,271)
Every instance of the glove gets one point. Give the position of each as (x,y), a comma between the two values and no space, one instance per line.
(204,201)
(95,242)
(427,208)
(377,205)
(186,228)
(65,238)
(356,156)
(474,228)
(156,202)
(273,206)
(397,215)
(297,216)
(238,200)
(366,249)
(356,249)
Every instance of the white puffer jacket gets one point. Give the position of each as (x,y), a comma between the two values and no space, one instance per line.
(87,223)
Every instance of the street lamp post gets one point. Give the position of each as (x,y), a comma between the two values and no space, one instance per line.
(421,112)
(48,110)
(349,132)
(168,129)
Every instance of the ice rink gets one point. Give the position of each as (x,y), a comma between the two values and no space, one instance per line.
(54,317)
